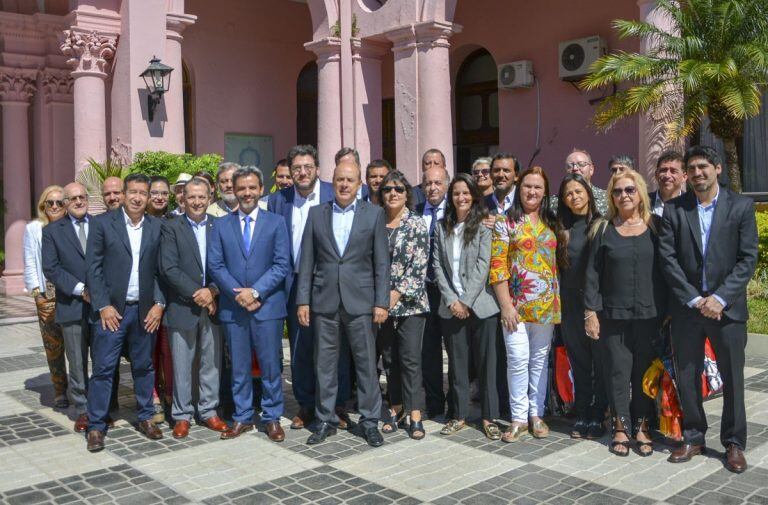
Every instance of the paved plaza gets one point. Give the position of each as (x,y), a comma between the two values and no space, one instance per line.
(44,461)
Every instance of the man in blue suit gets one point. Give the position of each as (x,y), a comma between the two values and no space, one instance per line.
(249,257)
(293,204)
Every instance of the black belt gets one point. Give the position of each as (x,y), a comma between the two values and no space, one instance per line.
(131,304)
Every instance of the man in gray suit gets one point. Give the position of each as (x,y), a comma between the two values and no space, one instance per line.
(190,316)
(344,280)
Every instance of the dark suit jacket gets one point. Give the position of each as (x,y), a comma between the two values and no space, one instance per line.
(731,252)
(64,266)
(181,269)
(263,268)
(358,280)
(419,198)
(109,261)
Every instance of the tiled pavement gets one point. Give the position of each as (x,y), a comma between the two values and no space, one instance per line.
(43,461)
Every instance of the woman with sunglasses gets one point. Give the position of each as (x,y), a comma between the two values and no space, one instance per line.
(576,213)
(399,338)
(623,300)
(50,208)
(481,173)
(468,310)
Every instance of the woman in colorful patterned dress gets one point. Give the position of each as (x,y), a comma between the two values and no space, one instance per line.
(524,278)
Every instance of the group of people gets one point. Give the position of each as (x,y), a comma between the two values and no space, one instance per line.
(486,264)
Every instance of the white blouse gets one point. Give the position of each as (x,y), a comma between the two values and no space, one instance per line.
(458,248)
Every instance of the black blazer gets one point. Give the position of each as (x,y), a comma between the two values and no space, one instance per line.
(181,270)
(731,254)
(109,261)
(64,265)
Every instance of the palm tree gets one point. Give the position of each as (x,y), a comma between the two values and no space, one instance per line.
(93,176)
(714,62)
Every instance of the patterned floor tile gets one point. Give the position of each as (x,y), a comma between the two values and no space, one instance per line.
(27,427)
(10,405)
(224,466)
(29,378)
(426,469)
(340,446)
(757,382)
(118,484)
(22,362)
(126,442)
(14,307)
(322,485)
(756,413)
(726,487)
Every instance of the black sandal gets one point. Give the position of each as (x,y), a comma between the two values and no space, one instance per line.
(638,428)
(391,424)
(615,444)
(416,430)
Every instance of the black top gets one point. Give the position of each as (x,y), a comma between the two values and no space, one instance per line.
(623,278)
(572,277)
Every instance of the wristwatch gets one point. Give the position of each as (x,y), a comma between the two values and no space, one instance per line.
(256,295)
(161,304)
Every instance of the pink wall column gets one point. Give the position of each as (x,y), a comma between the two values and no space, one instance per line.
(54,146)
(435,127)
(366,59)
(16,89)
(406,102)
(89,53)
(329,126)
(176,23)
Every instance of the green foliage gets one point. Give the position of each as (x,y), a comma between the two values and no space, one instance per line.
(758,315)
(171,165)
(93,176)
(713,62)
(762,247)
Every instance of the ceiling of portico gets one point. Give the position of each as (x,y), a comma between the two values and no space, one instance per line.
(57,7)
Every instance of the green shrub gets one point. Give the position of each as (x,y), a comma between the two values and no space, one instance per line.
(171,165)
(762,237)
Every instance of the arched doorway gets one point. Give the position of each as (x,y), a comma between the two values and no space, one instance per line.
(306,105)
(186,86)
(477,109)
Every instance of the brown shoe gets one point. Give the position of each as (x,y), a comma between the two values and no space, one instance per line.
(345,422)
(302,419)
(685,452)
(150,429)
(95,441)
(275,431)
(734,459)
(181,429)
(81,423)
(215,423)
(236,430)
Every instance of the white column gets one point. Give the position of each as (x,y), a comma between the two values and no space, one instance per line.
(173,131)
(406,102)
(329,126)
(366,59)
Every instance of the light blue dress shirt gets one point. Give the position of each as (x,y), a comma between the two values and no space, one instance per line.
(199,230)
(342,224)
(706,213)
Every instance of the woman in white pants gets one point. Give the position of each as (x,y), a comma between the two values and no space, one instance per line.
(524,278)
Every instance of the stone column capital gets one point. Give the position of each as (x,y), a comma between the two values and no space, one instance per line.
(56,84)
(326,49)
(88,53)
(435,33)
(17,84)
(368,49)
(176,23)
(403,38)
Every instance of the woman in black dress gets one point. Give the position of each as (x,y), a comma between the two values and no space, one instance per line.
(623,300)
(576,211)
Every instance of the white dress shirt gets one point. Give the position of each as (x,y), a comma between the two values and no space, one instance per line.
(199,229)
(427,214)
(134,237)
(658,204)
(458,248)
(502,207)
(342,224)
(78,290)
(241,216)
(299,216)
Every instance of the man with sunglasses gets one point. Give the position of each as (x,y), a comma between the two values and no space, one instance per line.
(708,243)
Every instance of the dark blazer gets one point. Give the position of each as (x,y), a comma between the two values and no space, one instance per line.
(263,268)
(358,280)
(64,265)
(181,269)
(419,198)
(109,261)
(731,254)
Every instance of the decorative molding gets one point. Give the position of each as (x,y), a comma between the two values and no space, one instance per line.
(176,23)
(121,153)
(88,52)
(17,84)
(56,84)
(326,49)
(368,49)
(435,33)
(30,27)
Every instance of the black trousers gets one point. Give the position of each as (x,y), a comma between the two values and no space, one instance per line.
(583,354)
(399,343)
(479,335)
(728,338)
(432,355)
(626,351)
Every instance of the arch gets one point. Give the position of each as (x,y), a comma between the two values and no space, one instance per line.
(306,105)
(324,14)
(189,115)
(476,108)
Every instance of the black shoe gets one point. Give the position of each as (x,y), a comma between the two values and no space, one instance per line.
(579,429)
(324,430)
(595,430)
(373,436)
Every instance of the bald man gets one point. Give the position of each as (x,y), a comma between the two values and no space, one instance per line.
(112,192)
(344,283)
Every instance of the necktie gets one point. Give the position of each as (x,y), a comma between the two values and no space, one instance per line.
(432,223)
(247,234)
(81,233)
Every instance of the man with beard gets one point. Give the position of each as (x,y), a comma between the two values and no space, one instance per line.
(112,192)
(227,203)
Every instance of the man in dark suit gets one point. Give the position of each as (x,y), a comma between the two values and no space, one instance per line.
(193,329)
(670,178)
(504,171)
(127,304)
(432,158)
(374,174)
(708,245)
(294,204)
(64,245)
(344,281)
(249,257)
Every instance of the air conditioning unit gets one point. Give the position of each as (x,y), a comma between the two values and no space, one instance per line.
(576,56)
(518,74)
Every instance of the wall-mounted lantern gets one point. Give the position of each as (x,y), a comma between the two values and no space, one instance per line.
(157,78)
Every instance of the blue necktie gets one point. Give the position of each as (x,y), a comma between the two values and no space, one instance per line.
(247,234)
(432,224)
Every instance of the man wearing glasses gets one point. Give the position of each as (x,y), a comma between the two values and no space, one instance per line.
(580,162)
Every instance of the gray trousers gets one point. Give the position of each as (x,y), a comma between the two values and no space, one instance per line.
(201,346)
(77,340)
(330,330)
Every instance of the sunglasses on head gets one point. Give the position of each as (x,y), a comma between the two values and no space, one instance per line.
(389,189)
(629,190)
(51,203)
